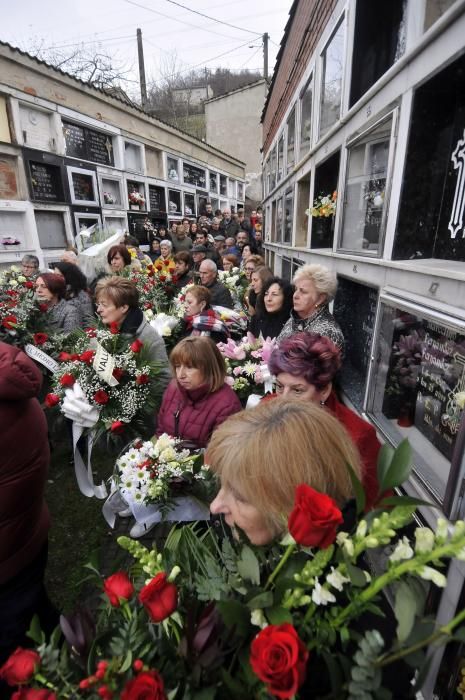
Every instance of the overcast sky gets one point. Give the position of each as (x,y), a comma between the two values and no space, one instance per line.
(112,24)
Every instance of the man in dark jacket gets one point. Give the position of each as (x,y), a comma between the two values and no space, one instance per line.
(24,517)
(220,295)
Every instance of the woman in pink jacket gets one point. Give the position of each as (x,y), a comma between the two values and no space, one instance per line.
(197,400)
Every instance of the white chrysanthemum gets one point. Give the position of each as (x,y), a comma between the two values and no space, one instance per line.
(321,595)
(164,441)
(402,551)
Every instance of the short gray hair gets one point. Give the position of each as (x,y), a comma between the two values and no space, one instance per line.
(31,260)
(323,278)
(209,264)
(165,241)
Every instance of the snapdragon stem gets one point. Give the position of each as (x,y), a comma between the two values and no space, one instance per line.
(444,631)
(290,549)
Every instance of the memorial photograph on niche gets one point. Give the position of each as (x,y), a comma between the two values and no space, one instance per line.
(83,186)
(355,311)
(431,220)
(419,386)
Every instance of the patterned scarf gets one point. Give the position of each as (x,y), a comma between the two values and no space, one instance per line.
(205,323)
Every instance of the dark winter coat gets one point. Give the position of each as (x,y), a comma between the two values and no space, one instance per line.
(24,450)
(194,415)
(220,295)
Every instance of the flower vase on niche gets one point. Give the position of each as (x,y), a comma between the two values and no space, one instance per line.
(406,416)
(135,207)
(322,231)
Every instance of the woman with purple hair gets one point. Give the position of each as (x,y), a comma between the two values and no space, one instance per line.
(304,366)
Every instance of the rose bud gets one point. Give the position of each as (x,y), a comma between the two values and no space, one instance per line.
(118,587)
(20,666)
(159,597)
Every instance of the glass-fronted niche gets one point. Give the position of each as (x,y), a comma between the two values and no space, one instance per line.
(331,80)
(431,220)
(364,212)
(355,311)
(193,175)
(418,391)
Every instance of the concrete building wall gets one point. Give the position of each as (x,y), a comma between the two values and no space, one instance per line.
(233,125)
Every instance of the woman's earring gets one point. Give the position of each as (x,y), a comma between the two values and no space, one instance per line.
(322,403)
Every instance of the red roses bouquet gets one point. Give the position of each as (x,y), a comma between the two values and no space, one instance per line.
(105,381)
(214,617)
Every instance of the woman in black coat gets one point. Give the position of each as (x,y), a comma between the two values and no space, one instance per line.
(274,304)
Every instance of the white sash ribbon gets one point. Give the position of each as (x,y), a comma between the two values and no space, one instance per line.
(40,356)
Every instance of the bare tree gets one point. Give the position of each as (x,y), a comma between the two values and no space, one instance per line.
(88,63)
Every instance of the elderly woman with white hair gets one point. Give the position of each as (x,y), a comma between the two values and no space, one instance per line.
(315,286)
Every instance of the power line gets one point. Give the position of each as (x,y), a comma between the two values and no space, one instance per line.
(219,21)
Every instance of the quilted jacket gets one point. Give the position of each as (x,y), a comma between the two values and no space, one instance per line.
(196,413)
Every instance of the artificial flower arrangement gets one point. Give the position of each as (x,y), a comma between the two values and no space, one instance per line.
(324,205)
(136,197)
(246,364)
(210,616)
(156,471)
(165,269)
(110,376)
(108,198)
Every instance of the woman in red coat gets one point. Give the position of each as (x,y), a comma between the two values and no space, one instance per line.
(197,400)
(304,366)
(24,518)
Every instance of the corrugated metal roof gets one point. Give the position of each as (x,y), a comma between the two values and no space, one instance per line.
(121,100)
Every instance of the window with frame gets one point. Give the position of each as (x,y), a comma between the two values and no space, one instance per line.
(240,191)
(280,167)
(231,189)
(288,215)
(223,185)
(291,140)
(193,175)
(364,212)
(273,169)
(331,81)
(418,376)
(213,177)
(172,166)
(380,30)
(279,220)
(306,102)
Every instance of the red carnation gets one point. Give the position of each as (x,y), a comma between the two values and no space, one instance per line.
(43,307)
(314,519)
(148,305)
(20,666)
(118,587)
(11,293)
(148,684)
(87,356)
(162,278)
(51,400)
(9,322)
(159,597)
(28,284)
(101,397)
(114,328)
(90,332)
(118,373)
(40,338)
(33,694)
(64,357)
(136,346)
(67,380)
(142,379)
(117,427)
(279,658)
(166,263)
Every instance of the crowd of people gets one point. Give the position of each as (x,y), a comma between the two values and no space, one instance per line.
(300,433)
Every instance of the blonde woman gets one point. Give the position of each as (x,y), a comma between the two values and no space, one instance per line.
(261,455)
(315,287)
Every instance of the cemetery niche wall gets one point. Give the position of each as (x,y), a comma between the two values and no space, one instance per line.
(431,221)
(418,391)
